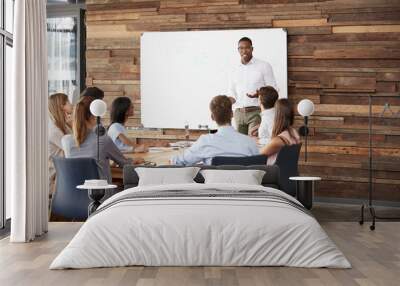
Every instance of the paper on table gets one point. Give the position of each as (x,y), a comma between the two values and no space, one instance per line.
(160,149)
(181,144)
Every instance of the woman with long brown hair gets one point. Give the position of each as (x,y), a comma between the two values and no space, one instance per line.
(283,132)
(83,140)
(60,110)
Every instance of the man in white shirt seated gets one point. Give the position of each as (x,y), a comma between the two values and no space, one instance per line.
(267,96)
(246,79)
(226,142)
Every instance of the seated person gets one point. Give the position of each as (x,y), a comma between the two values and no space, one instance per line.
(82,143)
(226,142)
(94,92)
(121,109)
(283,132)
(267,96)
(60,110)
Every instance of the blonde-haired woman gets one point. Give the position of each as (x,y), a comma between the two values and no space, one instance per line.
(60,110)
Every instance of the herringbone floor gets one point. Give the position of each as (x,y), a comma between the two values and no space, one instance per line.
(375,257)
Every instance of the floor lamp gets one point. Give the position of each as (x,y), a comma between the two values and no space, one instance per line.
(305,109)
(98,108)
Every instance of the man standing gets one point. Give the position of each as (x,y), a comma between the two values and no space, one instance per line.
(246,80)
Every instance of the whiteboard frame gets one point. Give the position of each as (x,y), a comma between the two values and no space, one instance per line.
(205,124)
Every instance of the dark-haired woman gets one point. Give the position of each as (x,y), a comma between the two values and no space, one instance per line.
(121,109)
(83,141)
(283,132)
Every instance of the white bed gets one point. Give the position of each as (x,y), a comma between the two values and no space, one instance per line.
(264,229)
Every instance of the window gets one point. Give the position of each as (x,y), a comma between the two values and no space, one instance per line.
(6,44)
(66,47)
(9,15)
(62,56)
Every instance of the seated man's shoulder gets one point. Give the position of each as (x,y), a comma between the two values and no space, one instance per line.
(266,121)
(205,138)
(245,137)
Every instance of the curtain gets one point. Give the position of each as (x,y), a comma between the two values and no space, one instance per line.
(26,116)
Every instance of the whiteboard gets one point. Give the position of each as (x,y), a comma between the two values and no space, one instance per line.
(182,71)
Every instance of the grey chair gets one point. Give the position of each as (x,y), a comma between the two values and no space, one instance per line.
(242,161)
(287,161)
(69,202)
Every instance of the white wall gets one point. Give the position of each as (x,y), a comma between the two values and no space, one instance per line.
(182,71)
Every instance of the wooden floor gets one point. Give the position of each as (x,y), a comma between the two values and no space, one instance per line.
(375,257)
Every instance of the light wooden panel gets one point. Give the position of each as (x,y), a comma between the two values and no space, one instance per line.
(339,51)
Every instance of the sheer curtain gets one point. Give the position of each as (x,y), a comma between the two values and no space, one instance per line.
(62,56)
(26,115)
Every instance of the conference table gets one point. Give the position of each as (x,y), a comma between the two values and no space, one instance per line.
(156,155)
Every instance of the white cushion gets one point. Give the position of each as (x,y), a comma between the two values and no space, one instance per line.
(248,177)
(166,176)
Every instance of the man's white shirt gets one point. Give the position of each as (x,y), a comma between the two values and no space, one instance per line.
(266,125)
(226,142)
(247,78)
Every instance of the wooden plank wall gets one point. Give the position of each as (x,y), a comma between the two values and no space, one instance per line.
(339,52)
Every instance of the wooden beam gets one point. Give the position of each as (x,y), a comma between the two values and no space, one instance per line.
(299,23)
(367,29)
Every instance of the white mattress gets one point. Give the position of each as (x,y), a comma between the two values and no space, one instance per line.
(191,231)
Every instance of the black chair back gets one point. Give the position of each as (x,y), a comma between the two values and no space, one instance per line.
(69,202)
(287,161)
(241,161)
(270,179)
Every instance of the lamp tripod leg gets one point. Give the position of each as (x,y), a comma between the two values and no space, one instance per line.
(98,138)
(361,221)
(306,137)
(372,211)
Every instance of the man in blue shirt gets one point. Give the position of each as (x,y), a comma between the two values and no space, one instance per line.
(226,142)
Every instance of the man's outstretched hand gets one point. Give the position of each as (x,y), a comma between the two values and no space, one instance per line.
(254,95)
(254,131)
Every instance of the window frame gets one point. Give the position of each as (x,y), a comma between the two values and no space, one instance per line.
(6,39)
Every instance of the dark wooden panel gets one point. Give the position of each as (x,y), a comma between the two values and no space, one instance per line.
(357,190)
(358,53)
(373,17)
